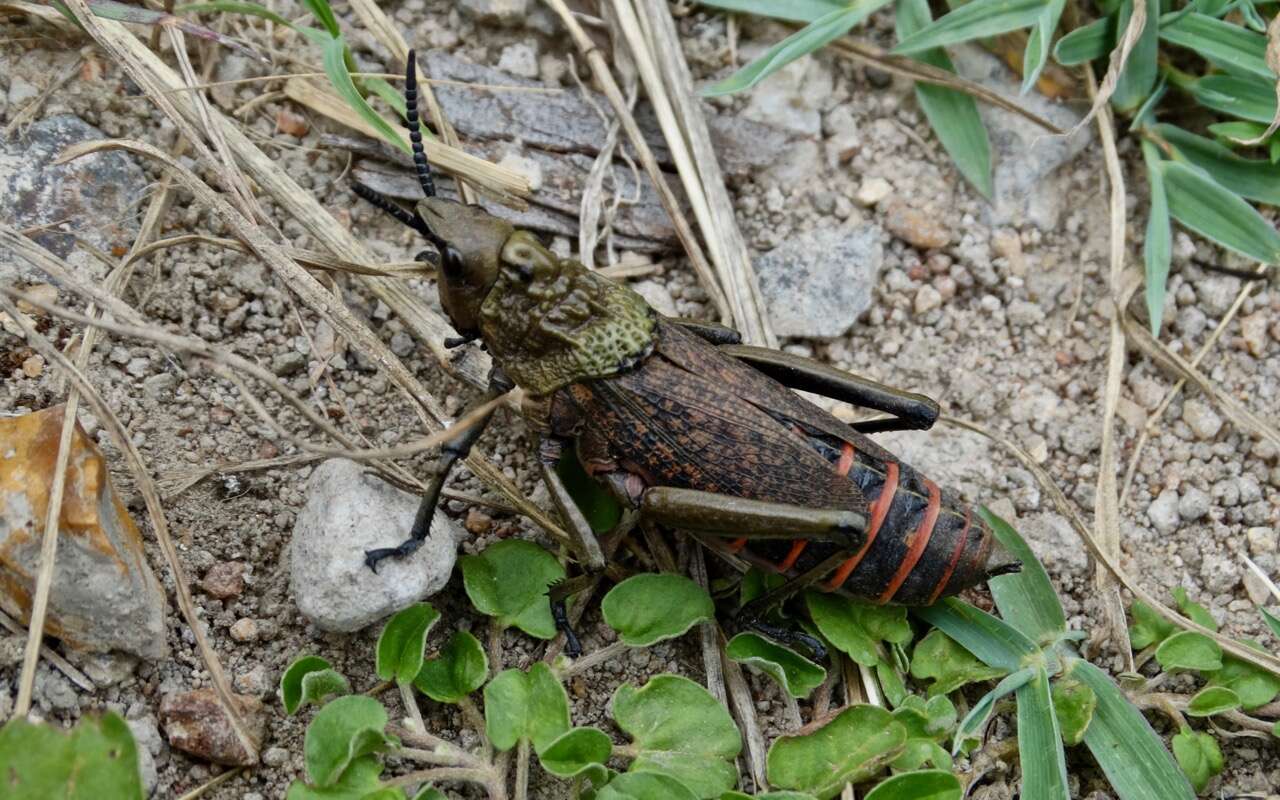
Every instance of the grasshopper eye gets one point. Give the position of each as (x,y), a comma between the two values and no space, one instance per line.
(451,262)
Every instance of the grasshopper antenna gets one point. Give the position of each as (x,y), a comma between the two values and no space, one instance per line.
(415,131)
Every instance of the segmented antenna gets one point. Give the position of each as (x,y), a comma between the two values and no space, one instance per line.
(394,210)
(415,132)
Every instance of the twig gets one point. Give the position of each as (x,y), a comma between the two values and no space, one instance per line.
(744,708)
(708,632)
(595,658)
(212,783)
(1266,581)
(411,706)
(522,769)
(61,664)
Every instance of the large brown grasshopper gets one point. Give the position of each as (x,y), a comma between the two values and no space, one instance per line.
(689,428)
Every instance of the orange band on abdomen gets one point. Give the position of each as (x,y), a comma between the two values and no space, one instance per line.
(797,547)
(879,510)
(918,542)
(955,557)
(737,544)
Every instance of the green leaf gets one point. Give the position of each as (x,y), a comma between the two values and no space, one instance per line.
(952,114)
(1073,705)
(1157,250)
(976,20)
(575,751)
(645,786)
(941,658)
(1245,97)
(1148,627)
(324,15)
(1251,178)
(1227,132)
(1213,700)
(403,641)
(309,680)
(356,783)
(427,793)
(837,619)
(525,705)
(334,53)
(1216,213)
(992,640)
(1198,755)
(95,759)
(680,730)
(600,508)
(856,744)
(458,671)
(1038,43)
(1193,610)
(227,7)
(1086,43)
(793,10)
(926,724)
(925,785)
(1224,44)
(650,607)
(1026,598)
(1138,77)
(1044,764)
(1272,622)
(1189,650)
(976,719)
(1130,753)
(1255,687)
(343,731)
(804,41)
(509,581)
(796,674)
(767,796)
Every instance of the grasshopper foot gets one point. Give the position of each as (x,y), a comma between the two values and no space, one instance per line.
(790,638)
(374,557)
(572,647)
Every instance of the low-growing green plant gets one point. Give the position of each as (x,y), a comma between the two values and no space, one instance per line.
(95,759)
(1213,53)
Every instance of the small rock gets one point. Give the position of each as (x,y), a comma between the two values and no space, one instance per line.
(1194,505)
(346,512)
(138,367)
(477,522)
(104,595)
(255,681)
(817,283)
(1261,540)
(519,59)
(33,366)
(927,299)
(872,191)
(1219,574)
(21,91)
(11,650)
(656,295)
(501,12)
(292,123)
(1163,512)
(1200,417)
(52,690)
(195,723)
(105,669)
(158,384)
(275,757)
(1217,293)
(792,97)
(224,580)
(915,227)
(146,735)
(1257,589)
(288,363)
(401,343)
(527,167)
(1022,314)
(244,630)
(1253,330)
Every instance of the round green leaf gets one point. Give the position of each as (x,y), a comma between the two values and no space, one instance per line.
(309,680)
(852,747)
(649,607)
(1212,700)
(796,674)
(1148,627)
(358,781)
(926,785)
(427,793)
(403,641)
(509,581)
(343,731)
(1255,687)
(1188,650)
(645,786)
(940,657)
(525,705)
(767,796)
(1198,755)
(458,671)
(837,619)
(1073,704)
(575,751)
(95,759)
(1193,610)
(680,730)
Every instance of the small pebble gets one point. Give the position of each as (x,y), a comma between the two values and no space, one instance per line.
(33,366)
(224,580)
(288,363)
(1261,540)
(292,123)
(872,191)
(1202,419)
(1163,512)
(1253,332)
(1194,504)
(401,344)
(927,299)
(916,227)
(244,630)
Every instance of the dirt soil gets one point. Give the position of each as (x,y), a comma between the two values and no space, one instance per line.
(1005,325)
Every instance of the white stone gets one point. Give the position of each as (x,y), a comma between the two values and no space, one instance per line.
(1163,512)
(872,191)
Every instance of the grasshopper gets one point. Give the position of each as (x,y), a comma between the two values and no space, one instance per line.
(688,427)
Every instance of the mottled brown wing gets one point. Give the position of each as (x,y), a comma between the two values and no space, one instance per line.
(680,428)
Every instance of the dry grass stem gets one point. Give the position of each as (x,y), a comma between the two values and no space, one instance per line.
(1266,579)
(1115,67)
(59,663)
(211,784)
(1106,511)
(28,112)
(600,69)
(743,705)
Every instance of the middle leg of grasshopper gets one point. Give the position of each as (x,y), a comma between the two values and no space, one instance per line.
(752,614)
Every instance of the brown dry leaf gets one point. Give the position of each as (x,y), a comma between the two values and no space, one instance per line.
(1119,57)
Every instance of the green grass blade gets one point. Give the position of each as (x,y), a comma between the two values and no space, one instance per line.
(977,717)
(1245,97)
(389,94)
(992,640)
(1254,179)
(1157,251)
(793,10)
(1044,764)
(1038,43)
(1026,599)
(336,68)
(804,41)
(1215,212)
(1140,71)
(1128,750)
(1228,46)
(953,115)
(230,7)
(1086,43)
(324,15)
(976,20)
